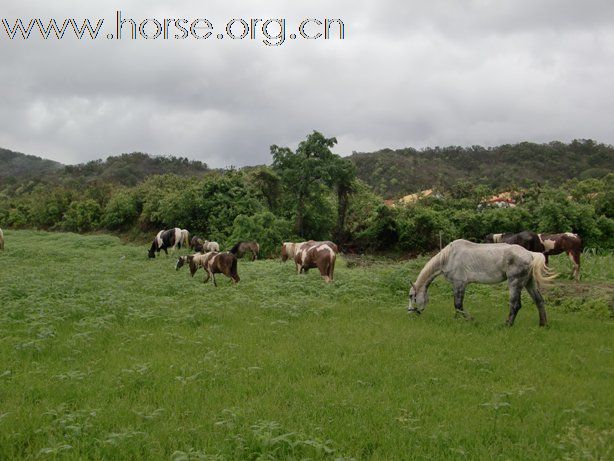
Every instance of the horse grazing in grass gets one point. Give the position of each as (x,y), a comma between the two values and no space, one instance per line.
(1,240)
(567,242)
(321,256)
(240,248)
(526,239)
(463,262)
(289,249)
(213,263)
(171,238)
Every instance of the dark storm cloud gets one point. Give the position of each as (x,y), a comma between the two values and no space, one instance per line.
(408,74)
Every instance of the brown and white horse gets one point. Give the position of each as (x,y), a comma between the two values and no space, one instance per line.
(213,263)
(240,248)
(171,238)
(567,242)
(1,240)
(321,256)
(289,249)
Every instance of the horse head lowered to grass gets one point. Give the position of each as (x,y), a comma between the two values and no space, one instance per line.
(463,262)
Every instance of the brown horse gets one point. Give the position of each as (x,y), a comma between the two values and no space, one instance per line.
(567,242)
(321,256)
(240,248)
(1,240)
(213,263)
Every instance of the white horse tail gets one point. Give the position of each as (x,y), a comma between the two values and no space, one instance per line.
(542,274)
(185,238)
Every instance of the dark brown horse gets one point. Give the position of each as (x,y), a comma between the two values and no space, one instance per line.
(526,239)
(321,256)
(213,263)
(240,248)
(567,242)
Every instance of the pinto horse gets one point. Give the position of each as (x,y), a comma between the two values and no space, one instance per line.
(240,248)
(463,262)
(171,238)
(321,256)
(213,263)
(1,240)
(567,242)
(289,249)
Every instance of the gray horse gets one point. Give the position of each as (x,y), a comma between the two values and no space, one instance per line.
(463,262)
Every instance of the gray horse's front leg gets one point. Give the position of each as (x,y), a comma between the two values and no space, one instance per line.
(537,298)
(515,290)
(459,296)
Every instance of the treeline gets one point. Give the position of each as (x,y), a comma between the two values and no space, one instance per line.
(124,169)
(393,173)
(307,193)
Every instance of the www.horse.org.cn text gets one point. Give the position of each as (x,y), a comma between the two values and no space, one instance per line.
(271,32)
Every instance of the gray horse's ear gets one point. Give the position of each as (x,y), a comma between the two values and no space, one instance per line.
(412,284)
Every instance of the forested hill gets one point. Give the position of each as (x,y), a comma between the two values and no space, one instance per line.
(15,166)
(125,169)
(131,169)
(393,173)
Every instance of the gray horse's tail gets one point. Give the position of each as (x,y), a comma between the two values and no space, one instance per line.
(541,274)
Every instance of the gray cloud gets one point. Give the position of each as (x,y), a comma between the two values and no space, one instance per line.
(408,74)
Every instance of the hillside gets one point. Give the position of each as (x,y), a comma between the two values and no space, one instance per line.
(15,166)
(130,169)
(124,169)
(393,173)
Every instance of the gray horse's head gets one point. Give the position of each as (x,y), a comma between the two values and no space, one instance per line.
(418,299)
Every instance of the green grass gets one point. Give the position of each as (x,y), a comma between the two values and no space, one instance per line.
(107,355)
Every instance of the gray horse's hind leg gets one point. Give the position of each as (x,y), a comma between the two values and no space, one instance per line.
(539,302)
(515,288)
(459,296)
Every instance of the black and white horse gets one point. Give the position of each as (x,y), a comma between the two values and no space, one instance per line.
(171,238)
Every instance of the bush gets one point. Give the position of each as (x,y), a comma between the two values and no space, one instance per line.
(121,212)
(265,228)
(82,216)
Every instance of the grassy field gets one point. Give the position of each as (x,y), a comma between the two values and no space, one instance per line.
(107,355)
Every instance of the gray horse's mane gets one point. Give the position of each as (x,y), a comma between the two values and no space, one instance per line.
(433,266)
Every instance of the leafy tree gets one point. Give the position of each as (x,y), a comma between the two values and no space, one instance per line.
(304,172)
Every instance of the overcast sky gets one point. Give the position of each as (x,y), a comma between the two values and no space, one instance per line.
(409,73)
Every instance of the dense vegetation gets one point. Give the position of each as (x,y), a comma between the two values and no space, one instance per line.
(106,355)
(394,173)
(313,193)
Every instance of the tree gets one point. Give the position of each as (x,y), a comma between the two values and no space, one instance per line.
(304,172)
